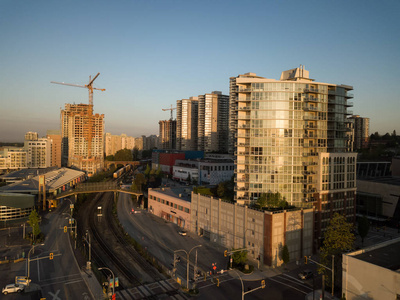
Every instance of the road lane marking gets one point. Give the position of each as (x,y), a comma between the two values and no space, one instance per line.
(305,293)
(55,296)
(293,278)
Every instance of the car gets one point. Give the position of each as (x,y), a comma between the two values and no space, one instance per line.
(182,232)
(12,288)
(306,274)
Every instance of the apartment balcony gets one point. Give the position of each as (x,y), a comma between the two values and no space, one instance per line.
(311,90)
(243,135)
(310,126)
(242,180)
(244,126)
(242,144)
(308,172)
(309,163)
(348,112)
(309,146)
(311,99)
(240,189)
(349,95)
(310,108)
(307,181)
(310,118)
(308,154)
(349,103)
(243,118)
(309,191)
(244,108)
(242,162)
(242,171)
(242,153)
(242,90)
(310,199)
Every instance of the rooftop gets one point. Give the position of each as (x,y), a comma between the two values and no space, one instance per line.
(25,173)
(385,255)
(185,193)
(54,180)
(385,180)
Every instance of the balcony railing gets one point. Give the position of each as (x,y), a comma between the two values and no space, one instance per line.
(241,90)
(349,103)
(311,90)
(349,95)
(311,99)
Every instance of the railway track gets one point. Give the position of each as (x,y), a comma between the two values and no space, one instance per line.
(119,235)
(105,248)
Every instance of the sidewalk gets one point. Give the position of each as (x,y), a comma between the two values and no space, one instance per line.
(264,272)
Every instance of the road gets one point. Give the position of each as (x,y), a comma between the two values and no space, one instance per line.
(161,239)
(56,279)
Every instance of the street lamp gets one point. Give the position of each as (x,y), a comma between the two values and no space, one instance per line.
(187,259)
(105,268)
(29,260)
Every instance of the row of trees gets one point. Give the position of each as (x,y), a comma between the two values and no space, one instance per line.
(130,155)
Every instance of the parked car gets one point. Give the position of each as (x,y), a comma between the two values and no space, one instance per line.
(306,274)
(12,288)
(182,232)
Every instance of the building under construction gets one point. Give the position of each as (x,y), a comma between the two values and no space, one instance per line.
(82,138)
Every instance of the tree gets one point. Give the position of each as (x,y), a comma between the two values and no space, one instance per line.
(138,182)
(262,201)
(110,158)
(363,228)
(285,254)
(123,155)
(34,223)
(135,153)
(147,172)
(337,238)
(239,257)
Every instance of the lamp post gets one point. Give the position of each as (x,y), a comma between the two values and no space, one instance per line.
(105,268)
(29,260)
(188,265)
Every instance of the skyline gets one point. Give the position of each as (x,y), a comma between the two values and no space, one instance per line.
(152,53)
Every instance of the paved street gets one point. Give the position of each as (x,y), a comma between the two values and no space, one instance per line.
(161,238)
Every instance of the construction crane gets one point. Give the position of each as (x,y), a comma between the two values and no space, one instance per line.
(89,86)
(171,109)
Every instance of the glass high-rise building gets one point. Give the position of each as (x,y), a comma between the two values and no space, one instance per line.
(292,136)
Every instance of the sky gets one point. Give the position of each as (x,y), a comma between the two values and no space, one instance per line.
(151,53)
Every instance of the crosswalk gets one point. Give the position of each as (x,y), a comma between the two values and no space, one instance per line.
(292,282)
(165,287)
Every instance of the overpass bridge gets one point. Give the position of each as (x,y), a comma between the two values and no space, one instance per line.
(97,187)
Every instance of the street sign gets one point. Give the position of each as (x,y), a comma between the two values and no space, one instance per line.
(116,282)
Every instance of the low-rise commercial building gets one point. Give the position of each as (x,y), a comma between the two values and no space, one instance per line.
(15,206)
(373,272)
(171,204)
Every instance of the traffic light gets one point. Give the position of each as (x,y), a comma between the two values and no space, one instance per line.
(305,260)
(226,253)
(217,282)
(51,256)
(262,283)
(65,228)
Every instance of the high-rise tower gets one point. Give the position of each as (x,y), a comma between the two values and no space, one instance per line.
(291,136)
(78,125)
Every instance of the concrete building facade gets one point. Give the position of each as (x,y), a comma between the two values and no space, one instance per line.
(39,153)
(56,147)
(167,134)
(373,272)
(13,158)
(82,137)
(263,233)
(186,123)
(171,204)
(361,131)
(213,117)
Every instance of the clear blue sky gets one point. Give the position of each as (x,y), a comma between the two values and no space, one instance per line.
(151,53)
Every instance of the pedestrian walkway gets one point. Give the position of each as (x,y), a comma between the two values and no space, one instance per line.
(92,284)
(265,272)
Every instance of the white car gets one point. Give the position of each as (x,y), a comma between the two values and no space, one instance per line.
(182,232)
(12,288)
